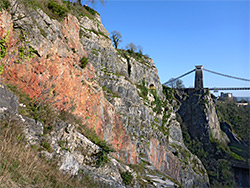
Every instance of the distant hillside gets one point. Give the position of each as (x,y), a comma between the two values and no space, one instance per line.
(242,98)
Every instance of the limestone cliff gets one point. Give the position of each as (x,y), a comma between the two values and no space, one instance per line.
(118,94)
(210,139)
(198,112)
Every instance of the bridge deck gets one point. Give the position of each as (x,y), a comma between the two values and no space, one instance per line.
(217,88)
(230,88)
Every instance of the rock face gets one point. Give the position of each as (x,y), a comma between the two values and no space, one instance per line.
(73,150)
(118,94)
(198,112)
(124,77)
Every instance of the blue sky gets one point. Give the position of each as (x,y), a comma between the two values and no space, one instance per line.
(178,35)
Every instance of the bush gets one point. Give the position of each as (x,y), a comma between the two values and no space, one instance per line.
(57,9)
(90,10)
(102,155)
(102,158)
(3,46)
(4,4)
(83,62)
(157,102)
(143,90)
(127,177)
(46,146)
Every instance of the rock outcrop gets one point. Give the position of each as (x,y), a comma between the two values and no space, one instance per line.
(118,94)
(198,112)
(74,152)
(156,133)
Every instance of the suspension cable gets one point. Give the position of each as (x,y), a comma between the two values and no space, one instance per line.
(179,77)
(243,79)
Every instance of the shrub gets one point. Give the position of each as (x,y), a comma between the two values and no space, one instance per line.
(46,146)
(4,4)
(90,10)
(127,177)
(157,102)
(143,90)
(168,92)
(33,4)
(79,11)
(102,155)
(57,9)
(83,62)
(3,46)
(102,158)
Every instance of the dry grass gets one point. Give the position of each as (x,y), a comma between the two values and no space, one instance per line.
(21,166)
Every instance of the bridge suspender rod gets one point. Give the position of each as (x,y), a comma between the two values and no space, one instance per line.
(243,79)
(179,77)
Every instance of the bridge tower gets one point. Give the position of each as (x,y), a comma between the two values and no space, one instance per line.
(198,84)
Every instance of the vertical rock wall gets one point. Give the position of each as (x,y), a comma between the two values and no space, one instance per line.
(198,112)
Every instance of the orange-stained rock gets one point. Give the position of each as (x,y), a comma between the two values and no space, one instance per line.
(61,82)
(163,159)
(5,24)
(71,29)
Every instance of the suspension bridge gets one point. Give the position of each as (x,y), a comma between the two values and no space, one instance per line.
(198,83)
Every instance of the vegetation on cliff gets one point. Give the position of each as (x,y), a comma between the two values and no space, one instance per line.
(238,117)
(47,115)
(23,166)
(56,9)
(214,156)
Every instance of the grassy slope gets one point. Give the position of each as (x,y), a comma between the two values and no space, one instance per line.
(22,166)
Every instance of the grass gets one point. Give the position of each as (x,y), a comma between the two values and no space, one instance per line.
(21,166)
(102,155)
(35,109)
(47,115)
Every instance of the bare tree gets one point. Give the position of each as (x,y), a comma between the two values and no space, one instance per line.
(140,48)
(116,38)
(175,83)
(131,46)
(82,2)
